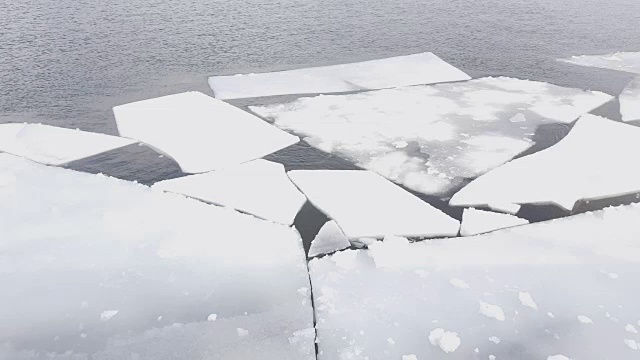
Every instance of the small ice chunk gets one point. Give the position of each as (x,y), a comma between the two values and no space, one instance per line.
(527,300)
(519,117)
(199,132)
(505,208)
(400,144)
(346,197)
(630,101)
(492,357)
(108,314)
(258,187)
(52,145)
(391,341)
(621,61)
(630,328)
(495,339)
(558,357)
(422,68)
(550,314)
(460,284)
(242,332)
(479,221)
(409,357)
(632,344)
(585,319)
(212,317)
(491,311)
(447,341)
(330,238)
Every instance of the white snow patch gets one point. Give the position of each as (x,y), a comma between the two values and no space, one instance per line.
(242,332)
(585,319)
(495,339)
(630,101)
(460,284)
(527,300)
(519,117)
(550,314)
(491,311)
(409,357)
(479,221)
(108,314)
(448,341)
(558,357)
(212,317)
(199,132)
(630,328)
(330,238)
(632,344)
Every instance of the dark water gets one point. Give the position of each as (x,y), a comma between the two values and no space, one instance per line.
(67,62)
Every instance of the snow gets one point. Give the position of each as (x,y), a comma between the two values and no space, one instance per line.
(364,204)
(452,131)
(630,328)
(491,311)
(630,100)
(558,357)
(556,262)
(258,187)
(448,341)
(621,61)
(330,238)
(52,145)
(632,344)
(527,300)
(596,149)
(460,284)
(479,221)
(199,132)
(495,340)
(422,68)
(77,247)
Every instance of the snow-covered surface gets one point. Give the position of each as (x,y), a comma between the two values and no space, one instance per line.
(515,278)
(591,162)
(364,204)
(630,101)
(621,61)
(476,221)
(98,268)
(259,187)
(422,68)
(54,145)
(429,138)
(330,238)
(199,132)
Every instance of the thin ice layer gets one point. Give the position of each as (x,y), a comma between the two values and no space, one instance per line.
(630,101)
(621,61)
(423,68)
(430,138)
(259,187)
(476,222)
(364,204)
(199,132)
(591,162)
(330,238)
(482,289)
(54,145)
(98,268)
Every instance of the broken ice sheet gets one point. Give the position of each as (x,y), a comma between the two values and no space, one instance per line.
(430,138)
(259,187)
(98,268)
(479,221)
(330,238)
(621,61)
(54,145)
(199,132)
(559,264)
(630,101)
(591,162)
(422,68)
(364,204)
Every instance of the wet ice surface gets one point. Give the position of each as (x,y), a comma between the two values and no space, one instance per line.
(519,293)
(54,145)
(199,132)
(431,138)
(630,101)
(98,268)
(620,61)
(258,187)
(589,163)
(422,68)
(478,221)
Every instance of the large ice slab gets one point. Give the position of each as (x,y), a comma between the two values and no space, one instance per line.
(621,61)
(566,287)
(630,101)
(476,221)
(423,68)
(430,138)
(259,187)
(591,162)
(199,132)
(330,238)
(54,145)
(98,268)
(364,204)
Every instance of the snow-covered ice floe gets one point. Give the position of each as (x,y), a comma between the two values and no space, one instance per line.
(364,204)
(430,138)
(479,221)
(258,187)
(93,267)
(566,288)
(591,162)
(199,132)
(54,145)
(330,238)
(422,68)
(630,101)
(620,61)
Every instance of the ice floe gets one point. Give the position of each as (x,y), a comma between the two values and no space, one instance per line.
(258,187)
(630,101)
(330,238)
(479,221)
(591,162)
(53,145)
(364,204)
(422,68)
(621,61)
(93,267)
(430,138)
(557,263)
(199,132)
